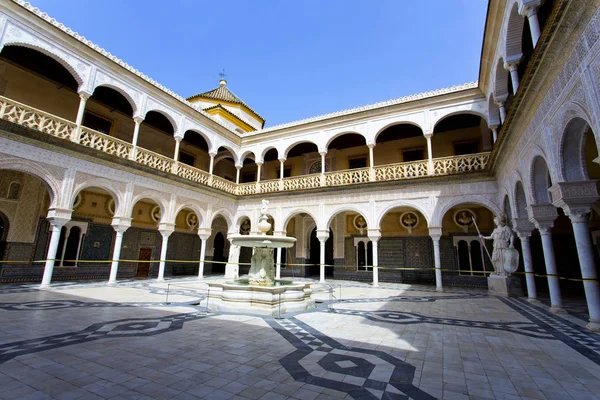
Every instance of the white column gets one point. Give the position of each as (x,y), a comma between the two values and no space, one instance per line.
(52,249)
(114,265)
(371,162)
(375,263)
(534,23)
(136,134)
(436,234)
(281,171)
(323,153)
(79,243)
(588,267)
(177,145)
(278,264)
(212,164)
(203,239)
(237,173)
(494,129)
(514,75)
(429,153)
(528,263)
(553,283)
(83,97)
(502,111)
(258,171)
(163,253)
(322,260)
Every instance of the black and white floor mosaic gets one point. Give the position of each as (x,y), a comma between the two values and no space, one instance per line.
(88,341)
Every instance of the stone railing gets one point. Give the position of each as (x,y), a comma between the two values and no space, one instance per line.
(107,144)
(154,160)
(302,182)
(21,114)
(347,177)
(224,184)
(407,170)
(193,174)
(460,164)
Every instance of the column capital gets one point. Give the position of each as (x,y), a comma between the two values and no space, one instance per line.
(282,159)
(435,232)
(575,198)
(138,119)
(512,62)
(166,228)
(494,126)
(238,167)
(58,222)
(374,234)
(499,100)
(121,224)
(542,215)
(511,66)
(84,94)
(323,152)
(371,145)
(529,7)
(59,214)
(212,153)
(204,232)
(428,135)
(178,138)
(259,163)
(523,227)
(322,235)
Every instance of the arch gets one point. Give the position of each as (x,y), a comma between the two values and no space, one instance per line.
(232,152)
(264,152)
(155,197)
(507,208)
(103,184)
(540,180)
(294,144)
(240,219)
(193,207)
(49,51)
(164,114)
(442,209)
(286,218)
(347,208)
(493,112)
(202,135)
(458,112)
(246,154)
(121,90)
(500,81)
(402,203)
(394,124)
(52,184)
(342,133)
(226,215)
(520,200)
(514,33)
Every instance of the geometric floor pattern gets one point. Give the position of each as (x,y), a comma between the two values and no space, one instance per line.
(92,341)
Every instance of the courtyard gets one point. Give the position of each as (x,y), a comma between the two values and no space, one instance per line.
(397,341)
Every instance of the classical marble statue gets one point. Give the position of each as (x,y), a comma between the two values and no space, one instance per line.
(262,271)
(505,257)
(264,209)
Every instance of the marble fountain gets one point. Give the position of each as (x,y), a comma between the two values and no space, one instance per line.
(261,293)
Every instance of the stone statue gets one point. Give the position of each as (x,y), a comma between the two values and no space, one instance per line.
(264,209)
(505,257)
(262,271)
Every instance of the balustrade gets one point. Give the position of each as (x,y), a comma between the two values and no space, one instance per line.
(21,114)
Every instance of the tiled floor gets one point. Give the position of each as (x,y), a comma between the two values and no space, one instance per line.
(91,341)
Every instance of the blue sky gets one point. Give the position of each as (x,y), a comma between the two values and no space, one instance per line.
(289,60)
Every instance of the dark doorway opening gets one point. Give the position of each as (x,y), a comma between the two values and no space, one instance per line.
(218,248)
(314,268)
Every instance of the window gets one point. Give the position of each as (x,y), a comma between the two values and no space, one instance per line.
(357,162)
(462,148)
(413,155)
(97,123)
(186,158)
(287,172)
(14,191)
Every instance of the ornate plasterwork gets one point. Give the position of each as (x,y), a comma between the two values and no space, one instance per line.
(19,36)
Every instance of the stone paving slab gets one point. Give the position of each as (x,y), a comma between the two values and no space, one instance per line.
(90,341)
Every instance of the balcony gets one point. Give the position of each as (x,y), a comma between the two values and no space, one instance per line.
(49,124)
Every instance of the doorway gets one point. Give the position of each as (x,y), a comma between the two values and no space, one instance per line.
(315,258)
(218,247)
(144,258)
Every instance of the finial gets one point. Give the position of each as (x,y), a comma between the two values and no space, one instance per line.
(222,74)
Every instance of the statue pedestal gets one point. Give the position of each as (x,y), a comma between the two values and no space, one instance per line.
(504,285)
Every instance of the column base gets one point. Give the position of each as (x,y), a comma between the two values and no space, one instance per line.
(504,285)
(160,279)
(558,310)
(44,286)
(533,300)
(200,278)
(111,283)
(593,326)
(375,284)
(439,289)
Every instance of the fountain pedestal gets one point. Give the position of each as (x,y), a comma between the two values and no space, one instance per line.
(261,293)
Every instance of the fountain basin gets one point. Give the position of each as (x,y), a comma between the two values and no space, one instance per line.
(283,297)
(262,241)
